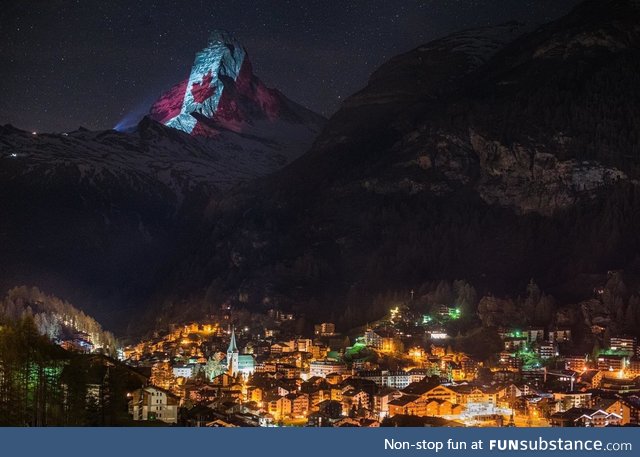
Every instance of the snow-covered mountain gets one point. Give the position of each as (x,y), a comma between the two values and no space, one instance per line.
(90,215)
(152,153)
(223,99)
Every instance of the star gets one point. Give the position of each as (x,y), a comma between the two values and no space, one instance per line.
(117,54)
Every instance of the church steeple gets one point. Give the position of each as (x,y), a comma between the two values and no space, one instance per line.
(232,355)
(233,347)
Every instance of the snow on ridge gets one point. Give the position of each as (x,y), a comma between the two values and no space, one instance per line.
(181,163)
(479,44)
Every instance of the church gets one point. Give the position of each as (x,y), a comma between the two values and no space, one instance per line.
(237,363)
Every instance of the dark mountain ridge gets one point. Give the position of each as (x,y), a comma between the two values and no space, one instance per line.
(506,165)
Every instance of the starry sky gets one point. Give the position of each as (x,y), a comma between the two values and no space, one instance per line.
(70,63)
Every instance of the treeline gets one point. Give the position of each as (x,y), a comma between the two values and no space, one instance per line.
(30,370)
(41,384)
(614,306)
(389,244)
(55,318)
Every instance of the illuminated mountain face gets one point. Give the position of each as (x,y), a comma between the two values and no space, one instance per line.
(221,93)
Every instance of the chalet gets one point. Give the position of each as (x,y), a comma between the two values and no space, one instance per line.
(585,417)
(279,407)
(354,400)
(442,393)
(599,418)
(299,405)
(614,405)
(413,405)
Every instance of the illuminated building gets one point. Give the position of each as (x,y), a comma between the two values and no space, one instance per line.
(614,405)
(334,378)
(153,403)
(382,340)
(510,360)
(576,362)
(303,344)
(81,342)
(612,362)
(515,343)
(353,400)
(475,394)
(319,351)
(394,379)
(322,368)
(560,335)
(279,407)
(419,405)
(454,313)
(318,396)
(633,403)
(413,405)
(568,400)
(546,350)
(469,366)
(598,418)
(288,371)
(615,383)
(238,363)
(280,347)
(623,344)
(325,329)
(437,334)
(185,371)
(441,393)
(417,353)
(585,417)
(299,405)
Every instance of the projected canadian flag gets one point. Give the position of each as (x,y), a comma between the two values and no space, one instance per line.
(221,93)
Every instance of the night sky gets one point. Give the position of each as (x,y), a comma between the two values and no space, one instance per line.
(66,63)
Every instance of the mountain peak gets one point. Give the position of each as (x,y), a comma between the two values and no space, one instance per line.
(222,94)
(224,37)
(200,94)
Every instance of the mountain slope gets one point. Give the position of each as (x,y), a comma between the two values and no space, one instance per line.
(494,167)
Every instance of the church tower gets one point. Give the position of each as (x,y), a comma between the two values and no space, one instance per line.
(232,355)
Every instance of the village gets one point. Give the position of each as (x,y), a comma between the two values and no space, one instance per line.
(239,369)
